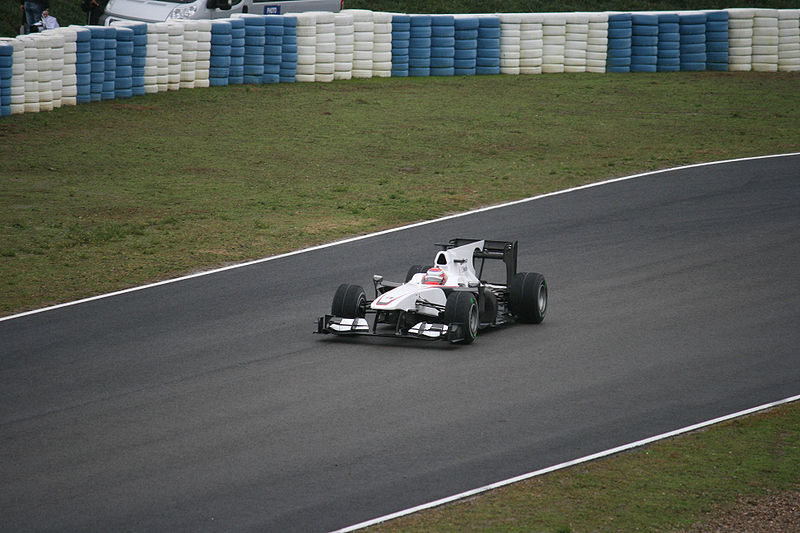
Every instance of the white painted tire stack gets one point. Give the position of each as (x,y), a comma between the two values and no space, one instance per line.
(510,42)
(765,40)
(597,43)
(325,46)
(789,40)
(530,43)
(69,79)
(740,39)
(203,60)
(151,61)
(343,60)
(175,32)
(31,74)
(188,55)
(382,47)
(306,47)
(554,40)
(45,71)
(577,42)
(57,41)
(363,42)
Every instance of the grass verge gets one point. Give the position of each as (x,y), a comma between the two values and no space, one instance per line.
(113,194)
(673,485)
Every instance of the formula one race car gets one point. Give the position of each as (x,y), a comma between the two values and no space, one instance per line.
(449,300)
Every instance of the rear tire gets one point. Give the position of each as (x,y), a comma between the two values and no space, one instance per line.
(462,307)
(528,297)
(350,301)
(415,269)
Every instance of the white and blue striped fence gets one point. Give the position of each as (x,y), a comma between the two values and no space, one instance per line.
(80,64)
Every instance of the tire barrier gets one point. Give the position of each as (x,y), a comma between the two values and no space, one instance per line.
(419,46)
(288,65)
(401,38)
(82,64)
(443,45)
(765,40)
(6,76)
(220,62)
(789,40)
(693,41)
(668,57)
(597,43)
(717,40)
(488,54)
(465,47)
(644,43)
(577,42)
(620,34)
(510,38)
(554,40)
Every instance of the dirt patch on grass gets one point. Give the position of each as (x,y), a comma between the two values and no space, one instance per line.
(775,512)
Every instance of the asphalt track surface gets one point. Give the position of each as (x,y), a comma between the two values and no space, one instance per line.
(208,405)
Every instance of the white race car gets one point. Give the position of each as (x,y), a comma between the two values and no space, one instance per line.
(449,300)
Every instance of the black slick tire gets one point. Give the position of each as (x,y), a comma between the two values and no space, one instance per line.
(462,308)
(350,301)
(528,297)
(415,269)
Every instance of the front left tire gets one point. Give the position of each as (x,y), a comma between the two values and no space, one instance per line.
(350,301)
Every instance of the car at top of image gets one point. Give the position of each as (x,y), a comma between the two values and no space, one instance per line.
(450,300)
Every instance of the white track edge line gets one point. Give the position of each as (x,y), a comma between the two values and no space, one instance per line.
(387,231)
(561,466)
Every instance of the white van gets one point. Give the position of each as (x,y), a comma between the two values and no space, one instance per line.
(165,10)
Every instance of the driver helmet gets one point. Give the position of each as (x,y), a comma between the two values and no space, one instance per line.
(435,276)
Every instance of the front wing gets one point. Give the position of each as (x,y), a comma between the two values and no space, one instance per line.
(335,325)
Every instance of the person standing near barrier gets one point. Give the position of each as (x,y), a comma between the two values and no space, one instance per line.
(93,9)
(33,10)
(48,22)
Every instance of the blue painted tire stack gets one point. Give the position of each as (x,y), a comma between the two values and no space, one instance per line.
(219,65)
(123,78)
(717,40)
(83,65)
(254,39)
(693,41)
(6,73)
(419,46)
(288,69)
(110,64)
(98,54)
(273,48)
(401,39)
(443,43)
(487,60)
(669,43)
(238,34)
(139,58)
(466,46)
(644,43)
(620,33)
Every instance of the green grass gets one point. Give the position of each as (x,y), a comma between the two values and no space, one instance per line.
(667,486)
(104,196)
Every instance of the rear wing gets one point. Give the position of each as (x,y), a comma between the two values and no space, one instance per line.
(505,251)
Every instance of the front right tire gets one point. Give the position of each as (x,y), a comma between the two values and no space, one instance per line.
(462,308)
